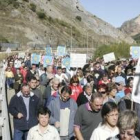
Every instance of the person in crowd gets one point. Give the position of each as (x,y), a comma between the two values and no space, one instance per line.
(107,128)
(63,110)
(85,96)
(80,76)
(18,81)
(17,63)
(98,72)
(31,73)
(11,65)
(127,124)
(88,117)
(129,86)
(90,80)
(9,78)
(43,130)
(61,76)
(104,80)
(28,62)
(51,90)
(112,90)
(75,87)
(49,73)
(24,71)
(120,88)
(120,74)
(33,87)
(102,89)
(23,107)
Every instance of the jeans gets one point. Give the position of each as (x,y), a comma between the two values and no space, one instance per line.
(20,134)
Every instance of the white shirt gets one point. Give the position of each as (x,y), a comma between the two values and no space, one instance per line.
(61,77)
(51,133)
(102,132)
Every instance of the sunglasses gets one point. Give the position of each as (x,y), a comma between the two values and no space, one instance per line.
(103,92)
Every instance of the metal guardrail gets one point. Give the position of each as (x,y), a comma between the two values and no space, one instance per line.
(4,118)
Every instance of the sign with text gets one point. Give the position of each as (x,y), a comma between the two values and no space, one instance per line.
(21,55)
(66,62)
(109,57)
(48,50)
(77,60)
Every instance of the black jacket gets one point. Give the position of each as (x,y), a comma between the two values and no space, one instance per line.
(17,105)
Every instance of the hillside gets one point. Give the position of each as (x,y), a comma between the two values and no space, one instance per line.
(54,22)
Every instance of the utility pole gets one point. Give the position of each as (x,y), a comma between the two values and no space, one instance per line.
(87,42)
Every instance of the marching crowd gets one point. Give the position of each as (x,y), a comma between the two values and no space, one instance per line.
(56,103)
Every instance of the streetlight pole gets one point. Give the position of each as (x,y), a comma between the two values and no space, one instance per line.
(71,38)
(87,42)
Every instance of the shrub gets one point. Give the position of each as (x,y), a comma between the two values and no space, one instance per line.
(26,0)
(78,18)
(33,7)
(119,49)
(41,14)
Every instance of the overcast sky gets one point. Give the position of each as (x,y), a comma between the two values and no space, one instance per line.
(114,12)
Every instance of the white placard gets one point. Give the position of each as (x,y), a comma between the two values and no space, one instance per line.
(21,55)
(109,57)
(8,50)
(136,83)
(77,60)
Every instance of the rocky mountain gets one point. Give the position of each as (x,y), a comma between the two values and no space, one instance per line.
(54,22)
(131,27)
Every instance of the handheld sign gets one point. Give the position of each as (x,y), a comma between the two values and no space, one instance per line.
(77,60)
(35,58)
(61,50)
(109,57)
(135,52)
(47,60)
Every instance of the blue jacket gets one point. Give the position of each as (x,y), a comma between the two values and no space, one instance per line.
(17,106)
(54,107)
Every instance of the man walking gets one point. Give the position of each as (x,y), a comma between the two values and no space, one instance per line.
(23,108)
(88,117)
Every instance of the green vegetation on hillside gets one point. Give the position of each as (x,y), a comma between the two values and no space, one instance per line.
(3,39)
(120,50)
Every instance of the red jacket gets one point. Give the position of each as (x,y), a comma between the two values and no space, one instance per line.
(76,90)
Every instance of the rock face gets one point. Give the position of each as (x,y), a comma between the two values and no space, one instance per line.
(65,22)
(131,27)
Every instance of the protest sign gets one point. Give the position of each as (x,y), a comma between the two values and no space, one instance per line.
(77,60)
(61,50)
(109,57)
(35,58)
(135,52)
(66,62)
(21,55)
(47,60)
(48,50)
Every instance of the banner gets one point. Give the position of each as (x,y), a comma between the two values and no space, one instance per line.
(136,84)
(35,58)
(109,57)
(47,60)
(48,50)
(66,62)
(61,50)
(77,60)
(135,52)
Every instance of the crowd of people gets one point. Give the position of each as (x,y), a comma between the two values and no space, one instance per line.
(56,103)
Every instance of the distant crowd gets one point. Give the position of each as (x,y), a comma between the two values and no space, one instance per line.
(89,103)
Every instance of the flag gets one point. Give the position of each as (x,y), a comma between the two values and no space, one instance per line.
(48,50)
(35,58)
(47,60)
(66,62)
(61,50)
(135,52)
